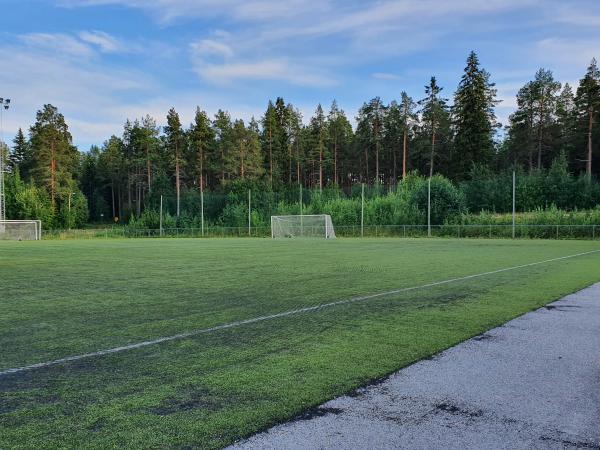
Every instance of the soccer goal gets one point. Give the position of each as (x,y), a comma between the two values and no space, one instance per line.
(310,226)
(20,230)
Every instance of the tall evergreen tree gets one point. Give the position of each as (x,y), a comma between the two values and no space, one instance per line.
(319,154)
(409,119)
(545,90)
(339,135)
(474,119)
(54,157)
(588,106)
(202,141)
(19,158)
(435,117)
(222,126)
(175,140)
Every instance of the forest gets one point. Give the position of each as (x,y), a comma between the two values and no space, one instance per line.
(552,140)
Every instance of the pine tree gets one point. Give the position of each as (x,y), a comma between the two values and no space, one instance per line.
(19,158)
(588,107)
(54,158)
(474,119)
(175,140)
(222,126)
(544,89)
(243,157)
(435,117)
(409,119)
(318,131)
(202,140)
(339,132)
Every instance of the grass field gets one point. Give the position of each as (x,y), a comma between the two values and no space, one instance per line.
(63,298)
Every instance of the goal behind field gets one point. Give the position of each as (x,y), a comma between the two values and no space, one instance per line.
(20,230)
(310,226)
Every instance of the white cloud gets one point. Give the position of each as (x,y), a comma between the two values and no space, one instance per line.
(208,47)
(57,44)
(578,52)
(281,70)
(104,41)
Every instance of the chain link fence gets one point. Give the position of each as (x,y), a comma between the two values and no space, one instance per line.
(521,231)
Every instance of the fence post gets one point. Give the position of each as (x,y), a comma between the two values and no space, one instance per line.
(429,207)
(201,211)
(404,231)
(593,232)
(556,231)
(249,213)
(161,216)
(490,231)
(362,211)
(514,203)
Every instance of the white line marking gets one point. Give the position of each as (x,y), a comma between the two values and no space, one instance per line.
(275,316)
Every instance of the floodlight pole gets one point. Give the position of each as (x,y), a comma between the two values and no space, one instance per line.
(161,217)
(429,208)
(249,213)
(301,216)
(514,203)
(201,211)
(362,210)
(4,105)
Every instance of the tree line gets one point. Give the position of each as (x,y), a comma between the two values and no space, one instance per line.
(51,180)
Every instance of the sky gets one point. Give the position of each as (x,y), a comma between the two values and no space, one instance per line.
(104,61)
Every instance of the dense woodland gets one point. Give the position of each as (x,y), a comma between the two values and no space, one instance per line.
(555,128)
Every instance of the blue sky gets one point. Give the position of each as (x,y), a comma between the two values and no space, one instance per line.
(103,61)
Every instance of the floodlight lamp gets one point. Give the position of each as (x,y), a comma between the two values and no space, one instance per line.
(1,100)
(8,101)
(5,106)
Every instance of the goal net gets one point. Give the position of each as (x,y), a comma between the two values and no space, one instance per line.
(20,230)
(311,226)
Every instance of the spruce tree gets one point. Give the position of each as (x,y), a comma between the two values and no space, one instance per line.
(588,108)
(175,140)
(19,158)
(435,118)
(473,119)
(201,137)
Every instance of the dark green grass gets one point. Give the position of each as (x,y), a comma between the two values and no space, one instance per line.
(66,298)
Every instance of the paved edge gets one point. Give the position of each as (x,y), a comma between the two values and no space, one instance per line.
(533,382)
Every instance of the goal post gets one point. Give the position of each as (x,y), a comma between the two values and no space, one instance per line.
(21,230)
(302,226)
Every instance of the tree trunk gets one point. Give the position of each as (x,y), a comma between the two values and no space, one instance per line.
(321,168)
(376,153)
(404,149)
(270,155)
(112,192)
(432,155)
(242,157)
(52,173)
(335,173)
(148,169)
(589,156)
(177,179)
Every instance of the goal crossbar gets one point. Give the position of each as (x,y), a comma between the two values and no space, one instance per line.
(305,225)
(21,230)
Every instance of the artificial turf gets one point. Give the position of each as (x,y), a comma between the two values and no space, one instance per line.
(63,298)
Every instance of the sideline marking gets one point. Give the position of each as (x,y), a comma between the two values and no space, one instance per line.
(275,316)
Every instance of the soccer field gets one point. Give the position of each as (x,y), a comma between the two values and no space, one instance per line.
(255,348)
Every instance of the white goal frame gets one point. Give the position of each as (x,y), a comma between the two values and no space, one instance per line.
(14,224)
(300,229)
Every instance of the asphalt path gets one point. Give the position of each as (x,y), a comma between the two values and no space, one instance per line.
(533,383)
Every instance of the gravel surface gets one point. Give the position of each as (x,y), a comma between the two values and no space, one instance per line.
(533,383)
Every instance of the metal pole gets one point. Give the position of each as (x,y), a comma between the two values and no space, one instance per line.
(201,211)
(249,213)
(70,193)
(161,216)
(362,211)
(429,208)
(514,203)
(301,217)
